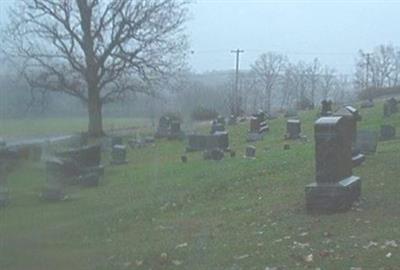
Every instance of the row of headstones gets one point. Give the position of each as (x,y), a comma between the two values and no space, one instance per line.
(75,166)
(169,128)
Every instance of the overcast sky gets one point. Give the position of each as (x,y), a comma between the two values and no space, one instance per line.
(330,30)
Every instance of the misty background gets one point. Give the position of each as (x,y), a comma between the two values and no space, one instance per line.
(324,35)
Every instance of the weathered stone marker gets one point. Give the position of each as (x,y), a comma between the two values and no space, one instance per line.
(352,116)
(163,129)
(197,142)
(326,107)
(55,180)
(82,165)
(251,151)
(390,107)
(175,132)
(217,127)
(116,140)
(366,142)
(387,132)
(258,127)
(118,155)
(293,129)
(335,188)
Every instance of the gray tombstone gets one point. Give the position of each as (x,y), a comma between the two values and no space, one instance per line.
(387,132)
(335,188)
(293,129)
(118,155)
(251,151)
(164,126)
(326,107)
(232,120)
(216,126)
(55,179)
(366,142)
(116,140)
(197,142)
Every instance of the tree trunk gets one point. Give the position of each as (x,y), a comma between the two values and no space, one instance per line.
(95,114)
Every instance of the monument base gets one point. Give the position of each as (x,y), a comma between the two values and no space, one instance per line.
(357,160)
(333,197)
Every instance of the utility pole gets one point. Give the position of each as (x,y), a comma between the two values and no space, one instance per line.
(236,94)
(368,55)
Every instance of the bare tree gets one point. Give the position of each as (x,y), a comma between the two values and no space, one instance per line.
(96,50)
(268,67)
(328,82)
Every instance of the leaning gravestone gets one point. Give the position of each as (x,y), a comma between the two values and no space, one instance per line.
(293,129)
(118,155)
(335,188)
(55,179)
(387,132)
(366,142)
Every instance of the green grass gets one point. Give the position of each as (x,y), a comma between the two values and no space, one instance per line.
(233,214)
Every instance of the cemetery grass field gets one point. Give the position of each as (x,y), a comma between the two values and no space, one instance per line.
(33,127)
(158,213)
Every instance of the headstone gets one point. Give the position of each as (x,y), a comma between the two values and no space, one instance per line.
(232,153)
(116,140)
(326,108)
(251,151)
(184,159)
(232,120)
(197,142)
(82,165)
(221,120)
(293,129)
(387,132)
(366,142)
(258,127)
(216,126)
(164,126)
(55,179)
(175,132)
(335,188)
(353,116)
(390,107)
(118,155)
(286,146)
